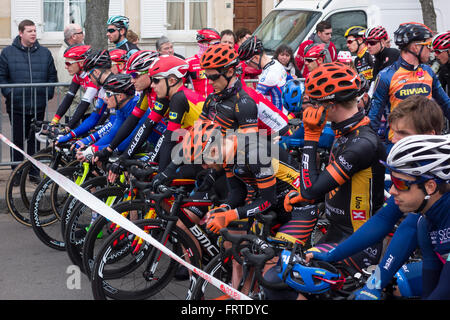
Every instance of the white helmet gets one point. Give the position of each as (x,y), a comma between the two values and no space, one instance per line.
(422,155)
(344,56)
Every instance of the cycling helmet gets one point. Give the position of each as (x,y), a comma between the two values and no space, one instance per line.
(411,31)
(315,51)
(199,138)
(344,56)
(292,95)
(219,56)
(140,61)
(376,33)
(333,81)
(119,83)
(308,279)
(97,59)
(119,22)
(441,41)
(250,47)
(166,65)
(77,52)
(118,55)
(207,35)
(355,31)
(421,156)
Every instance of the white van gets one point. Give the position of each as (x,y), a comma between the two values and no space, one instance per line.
(292,22)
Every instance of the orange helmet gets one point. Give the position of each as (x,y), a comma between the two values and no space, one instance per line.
(333,81)
(219,56)
(198,140)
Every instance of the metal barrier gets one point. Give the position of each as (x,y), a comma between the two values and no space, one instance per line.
(7,119)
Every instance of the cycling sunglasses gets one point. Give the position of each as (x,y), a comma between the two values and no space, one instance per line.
(372,43)
(156,80)
(213,77)
(134,75)
(69,63)
(109,94)
(309,60)
(351,41)
(405,185)
(111,30)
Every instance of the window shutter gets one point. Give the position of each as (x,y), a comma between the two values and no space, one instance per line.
(153,18)
(26,9)
(116,7)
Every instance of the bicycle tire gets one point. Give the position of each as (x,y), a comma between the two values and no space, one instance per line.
(97,182)
(219,267)
(81,217)
(46,230)
(19,207)
(92,243)
(159,286)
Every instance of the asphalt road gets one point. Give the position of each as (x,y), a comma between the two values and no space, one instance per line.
(32,271)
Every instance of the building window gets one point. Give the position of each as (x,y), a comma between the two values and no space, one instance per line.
(56,10)
(187,14)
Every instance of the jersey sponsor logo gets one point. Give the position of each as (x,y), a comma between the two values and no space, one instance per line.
(158,105)
(413,89)
(173,115)
(264,206)
(344,163)
(359,214)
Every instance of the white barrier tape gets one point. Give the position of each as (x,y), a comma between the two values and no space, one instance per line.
(97,205)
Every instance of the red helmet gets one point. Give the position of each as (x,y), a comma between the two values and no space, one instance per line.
(118,55)
(77,52)
(315,51)
(441,41)
(207,35)
(376,33)
(166,65)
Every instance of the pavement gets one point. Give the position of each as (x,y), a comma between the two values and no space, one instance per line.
(4,175)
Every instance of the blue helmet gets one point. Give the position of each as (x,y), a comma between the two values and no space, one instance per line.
(306,279)
(292,95)
(119,21)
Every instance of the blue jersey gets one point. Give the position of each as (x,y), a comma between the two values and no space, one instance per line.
(271,82)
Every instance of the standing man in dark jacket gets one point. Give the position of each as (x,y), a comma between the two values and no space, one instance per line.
(25,61)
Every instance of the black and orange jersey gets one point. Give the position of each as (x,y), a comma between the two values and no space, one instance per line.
(271,176)
(353,181)
(364,63)
(232,109)
(400,81)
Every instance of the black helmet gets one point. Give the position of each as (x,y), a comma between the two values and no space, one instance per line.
(97,59)
(119,83)
(411,31)
(250,47)
(356,31)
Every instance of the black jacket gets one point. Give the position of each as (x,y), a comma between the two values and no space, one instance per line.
(19,64)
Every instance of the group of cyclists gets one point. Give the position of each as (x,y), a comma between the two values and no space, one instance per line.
(197,117)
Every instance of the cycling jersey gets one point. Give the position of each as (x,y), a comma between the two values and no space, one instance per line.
(197,74)
(129,47)
(384,58)
(399,81)
(271,82)
(364,64)
(434,240)
(353,180)
(90,94)
(444,77)
(231,109)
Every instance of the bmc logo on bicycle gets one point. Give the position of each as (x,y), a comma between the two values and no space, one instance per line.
(359,214)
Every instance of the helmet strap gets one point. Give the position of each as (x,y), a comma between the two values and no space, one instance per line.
(170,86)
(425,199)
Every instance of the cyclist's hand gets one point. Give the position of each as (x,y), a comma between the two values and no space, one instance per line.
(292,198)
(160,179)
(219,220)
(205,180)
(314,119)
(314,253)
(78,145)
(102,155)
(367,294)
(67,137)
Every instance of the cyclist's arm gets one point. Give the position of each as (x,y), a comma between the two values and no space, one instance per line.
(92,120)
(99,133)
(441,96)
(247,115)
(87,99)
(379,101)
(66,102)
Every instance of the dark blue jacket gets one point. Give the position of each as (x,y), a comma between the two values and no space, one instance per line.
(19,64)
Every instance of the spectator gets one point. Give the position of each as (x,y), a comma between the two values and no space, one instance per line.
(73,34)
(322,35)
(228,37)
(285,56)
(26,61)
(165,46)
(242,34)
(132,37)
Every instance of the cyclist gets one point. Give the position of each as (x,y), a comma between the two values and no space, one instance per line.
(118,60)
(117,33)
(352,182)
(415,115)
(409,75)
(419,166)
(441,49)
(364,61)
(205,37)
(273,76)
(121,100)
(75,56)
(314,56)
(375,38)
